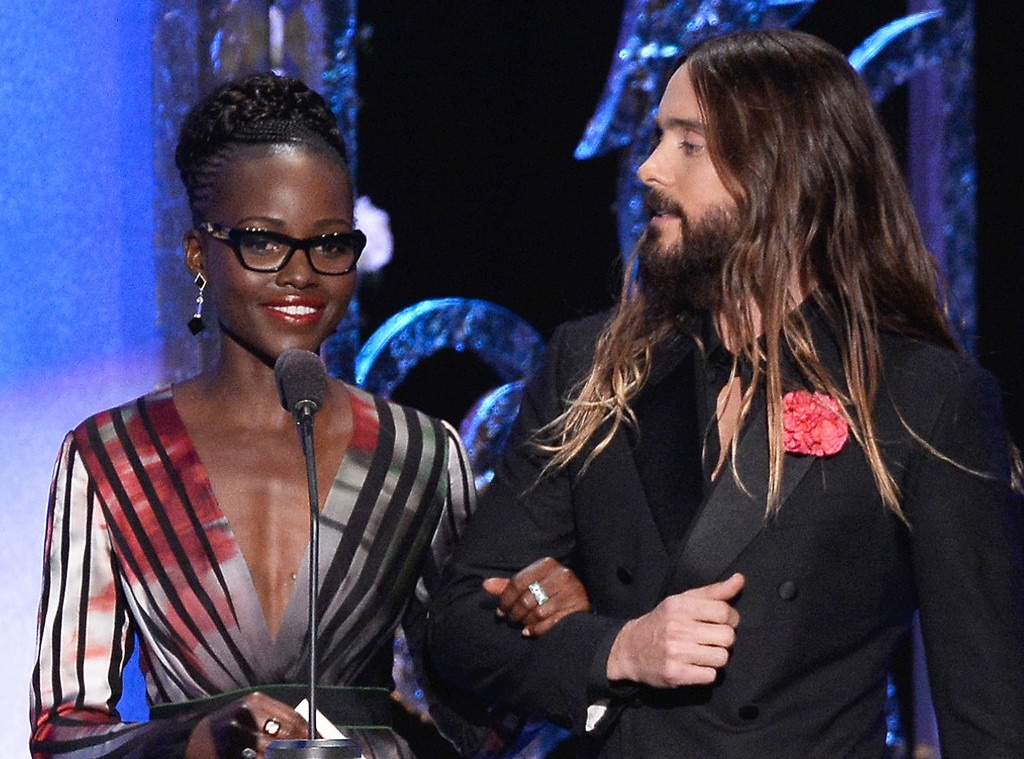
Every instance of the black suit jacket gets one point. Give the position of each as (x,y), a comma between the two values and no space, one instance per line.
(832,581)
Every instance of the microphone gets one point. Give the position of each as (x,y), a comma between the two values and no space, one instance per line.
(301,382)
(301,379)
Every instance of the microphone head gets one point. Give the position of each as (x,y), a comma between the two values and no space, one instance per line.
(301,381)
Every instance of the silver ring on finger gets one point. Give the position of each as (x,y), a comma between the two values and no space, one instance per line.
(537,591)
(249,753)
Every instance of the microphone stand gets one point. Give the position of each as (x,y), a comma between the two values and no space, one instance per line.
(314,748)
(304,420)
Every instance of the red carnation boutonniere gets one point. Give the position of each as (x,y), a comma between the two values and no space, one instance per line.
(813,423)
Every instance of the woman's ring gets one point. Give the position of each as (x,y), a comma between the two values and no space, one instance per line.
(538,593)
(249,753)
(271,727)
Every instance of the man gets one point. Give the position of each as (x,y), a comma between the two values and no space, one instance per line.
(762,462)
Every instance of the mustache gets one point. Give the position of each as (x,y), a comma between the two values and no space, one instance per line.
(656,202)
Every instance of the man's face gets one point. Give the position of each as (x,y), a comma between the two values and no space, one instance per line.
(679,170)
(693,218)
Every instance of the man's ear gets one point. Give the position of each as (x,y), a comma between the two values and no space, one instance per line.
(194,259)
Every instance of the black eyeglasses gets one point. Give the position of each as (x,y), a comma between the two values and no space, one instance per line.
(264,251)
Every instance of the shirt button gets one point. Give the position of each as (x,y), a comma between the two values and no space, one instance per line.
(787,590)
(624,575)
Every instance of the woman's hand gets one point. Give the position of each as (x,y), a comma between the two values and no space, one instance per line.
(244,728)
(539,595)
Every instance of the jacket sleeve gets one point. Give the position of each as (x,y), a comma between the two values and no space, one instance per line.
(85,635)
(522,518)
(967,543)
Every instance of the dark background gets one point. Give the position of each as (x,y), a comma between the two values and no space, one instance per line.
(470,114)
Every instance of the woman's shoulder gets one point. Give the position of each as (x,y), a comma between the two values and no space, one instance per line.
(159,397)
(367,404)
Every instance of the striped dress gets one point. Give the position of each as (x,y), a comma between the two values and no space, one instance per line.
(136,544)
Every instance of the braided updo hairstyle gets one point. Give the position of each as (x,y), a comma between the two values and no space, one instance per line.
(262,109)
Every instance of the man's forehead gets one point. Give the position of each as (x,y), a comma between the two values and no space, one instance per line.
(679,108)
(668,123)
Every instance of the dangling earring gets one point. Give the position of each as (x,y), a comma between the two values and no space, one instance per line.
(195,324)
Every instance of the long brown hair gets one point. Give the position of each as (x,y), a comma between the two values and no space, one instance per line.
(820,200)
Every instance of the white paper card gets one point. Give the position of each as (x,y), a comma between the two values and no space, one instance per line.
(324,726)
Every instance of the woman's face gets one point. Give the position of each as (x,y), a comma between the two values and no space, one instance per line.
(294,191)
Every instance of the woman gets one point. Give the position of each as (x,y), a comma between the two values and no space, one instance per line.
(182,517)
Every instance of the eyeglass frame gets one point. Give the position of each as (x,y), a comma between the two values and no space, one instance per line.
(230,236)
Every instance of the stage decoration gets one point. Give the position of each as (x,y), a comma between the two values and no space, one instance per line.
(339,80)
(486,428)
(888,57)
(938,45)
(504,342)
(380,244)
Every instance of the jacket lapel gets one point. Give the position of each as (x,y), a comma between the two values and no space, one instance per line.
(733,513)
(636,525)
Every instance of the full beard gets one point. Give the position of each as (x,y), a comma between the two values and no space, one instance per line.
(686,277)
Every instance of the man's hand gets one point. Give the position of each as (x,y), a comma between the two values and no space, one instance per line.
(685,640)
(563,589)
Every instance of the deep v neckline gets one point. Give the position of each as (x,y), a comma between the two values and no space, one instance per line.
(188,588)
(210,512)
